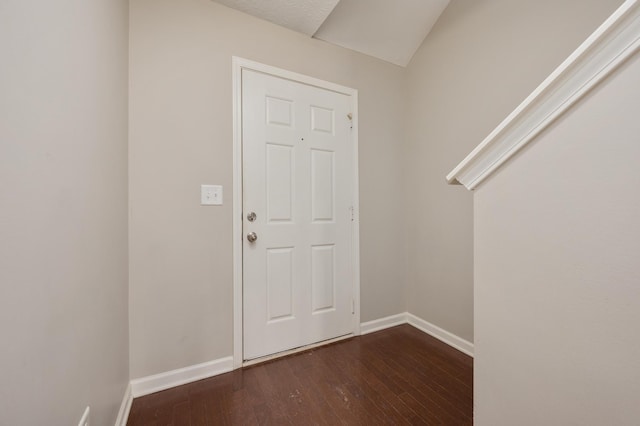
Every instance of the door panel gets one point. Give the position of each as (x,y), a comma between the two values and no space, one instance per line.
(279,283)
(279,182)
(323,277)
(298,179)
(322,189)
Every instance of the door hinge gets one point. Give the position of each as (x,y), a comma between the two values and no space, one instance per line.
(353,306)
(352,213)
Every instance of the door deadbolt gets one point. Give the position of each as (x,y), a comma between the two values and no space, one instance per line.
(251,217)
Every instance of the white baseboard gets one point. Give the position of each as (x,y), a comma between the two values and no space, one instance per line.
(443,335)
(450,339)
(382,323)
(125,407)
(158,382)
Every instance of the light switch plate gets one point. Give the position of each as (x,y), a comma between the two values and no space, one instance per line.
(211,195)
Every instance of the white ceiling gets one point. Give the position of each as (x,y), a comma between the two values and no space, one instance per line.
(304,16)
(391,30)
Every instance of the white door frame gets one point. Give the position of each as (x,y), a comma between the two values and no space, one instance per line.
(238,65)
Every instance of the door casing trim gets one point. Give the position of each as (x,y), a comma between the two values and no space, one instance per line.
(238,64)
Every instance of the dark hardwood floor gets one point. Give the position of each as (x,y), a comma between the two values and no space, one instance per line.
(394,377)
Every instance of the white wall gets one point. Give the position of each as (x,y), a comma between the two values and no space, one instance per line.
(181,137)
(63,211)
(481,59)
(557,251)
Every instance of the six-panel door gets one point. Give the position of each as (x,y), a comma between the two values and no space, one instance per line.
(298,180)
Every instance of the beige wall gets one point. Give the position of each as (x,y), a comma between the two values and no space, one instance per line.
(181,137)
(63,211)
(63,186)
(479,62)
(557,250)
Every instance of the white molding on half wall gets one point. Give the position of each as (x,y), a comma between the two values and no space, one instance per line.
(125,407)
(615,41)
(433,330)
(158,382)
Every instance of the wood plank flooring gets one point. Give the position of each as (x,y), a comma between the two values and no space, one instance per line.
(396,376)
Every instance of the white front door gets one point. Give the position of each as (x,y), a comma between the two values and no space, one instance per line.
(298,182)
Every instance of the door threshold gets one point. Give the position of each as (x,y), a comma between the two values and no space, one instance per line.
(271,357)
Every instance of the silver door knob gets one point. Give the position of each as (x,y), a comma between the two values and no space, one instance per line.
(251,217)
(252,236)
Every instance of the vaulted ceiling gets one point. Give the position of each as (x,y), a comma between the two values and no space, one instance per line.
(391,30)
